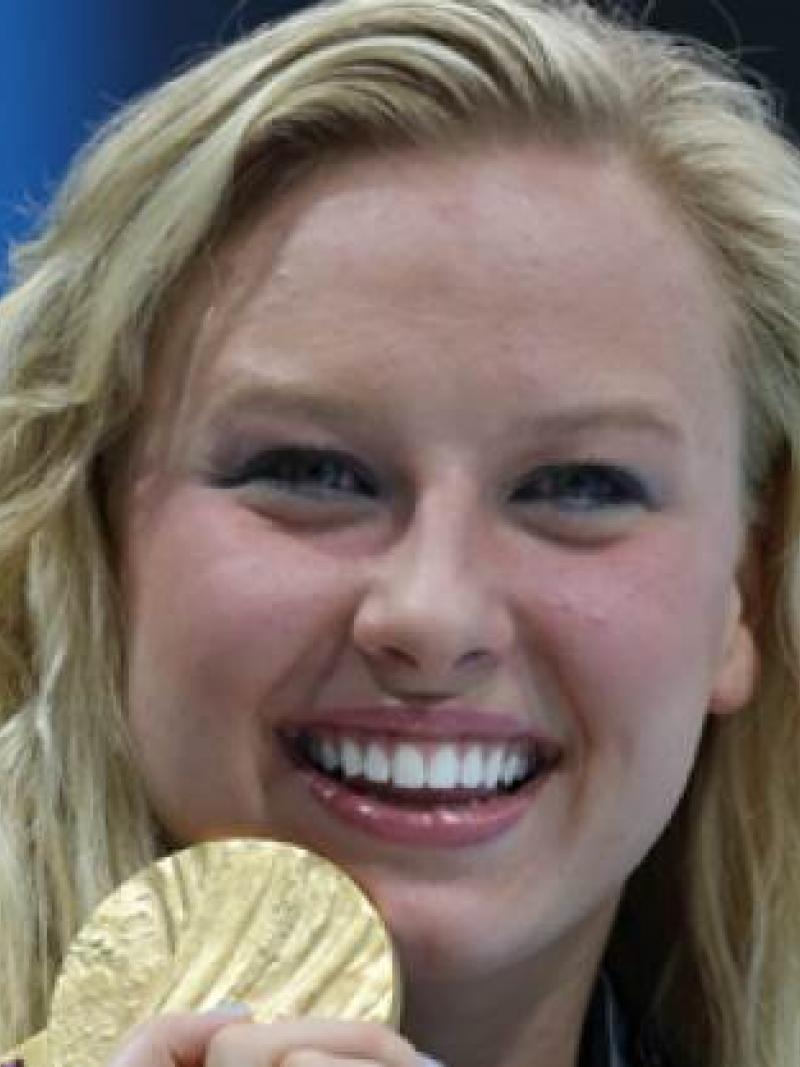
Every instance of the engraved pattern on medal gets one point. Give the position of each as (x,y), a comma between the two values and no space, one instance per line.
(258,922)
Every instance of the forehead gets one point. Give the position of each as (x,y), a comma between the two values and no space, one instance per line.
(568,257)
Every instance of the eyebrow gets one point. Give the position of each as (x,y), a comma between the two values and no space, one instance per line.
(340,410)
(634,414)
(267,398)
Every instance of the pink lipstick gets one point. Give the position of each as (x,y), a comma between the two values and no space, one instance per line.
(435,777)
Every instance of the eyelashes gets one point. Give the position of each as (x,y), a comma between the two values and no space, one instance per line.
(331,476)
(585,486)
(309,472)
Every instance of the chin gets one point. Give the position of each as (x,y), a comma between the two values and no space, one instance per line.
(439,936)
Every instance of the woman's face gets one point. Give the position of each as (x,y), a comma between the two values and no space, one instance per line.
(439,474)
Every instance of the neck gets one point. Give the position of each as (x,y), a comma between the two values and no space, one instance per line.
(528,1016)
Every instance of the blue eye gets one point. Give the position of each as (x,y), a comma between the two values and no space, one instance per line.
(312,473)
(585,487)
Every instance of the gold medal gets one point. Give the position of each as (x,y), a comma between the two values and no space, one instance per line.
(257,922)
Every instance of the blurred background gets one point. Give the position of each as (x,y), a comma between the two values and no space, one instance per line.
(65,65)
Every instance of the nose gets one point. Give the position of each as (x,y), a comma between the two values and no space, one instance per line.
(432,620)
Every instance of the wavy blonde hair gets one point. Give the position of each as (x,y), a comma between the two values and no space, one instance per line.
(713,962)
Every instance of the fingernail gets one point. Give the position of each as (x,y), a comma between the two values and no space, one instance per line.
(230,1007)
(428,1061)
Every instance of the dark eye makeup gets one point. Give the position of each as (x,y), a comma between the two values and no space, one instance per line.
(585,486)
(313,473)
(330,475)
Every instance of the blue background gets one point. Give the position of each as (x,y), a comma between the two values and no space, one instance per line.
(65,65)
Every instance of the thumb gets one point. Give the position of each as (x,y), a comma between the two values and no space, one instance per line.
(176,1040)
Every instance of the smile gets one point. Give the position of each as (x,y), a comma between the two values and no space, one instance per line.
(421,790)
(454,767)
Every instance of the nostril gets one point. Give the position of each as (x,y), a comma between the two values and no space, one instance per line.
(390,653)
(399,655)
(477,655)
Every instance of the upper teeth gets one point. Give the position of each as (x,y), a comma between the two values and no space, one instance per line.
(417,765)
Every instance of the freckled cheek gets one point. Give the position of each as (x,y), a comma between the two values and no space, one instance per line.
(633,642)
(223,608)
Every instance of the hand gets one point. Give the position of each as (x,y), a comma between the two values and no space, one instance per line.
(222,1039)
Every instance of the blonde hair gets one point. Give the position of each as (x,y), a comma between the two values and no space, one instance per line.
(155,193)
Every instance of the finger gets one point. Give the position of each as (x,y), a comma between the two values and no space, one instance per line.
(309,1057)
(173,1040)
(257,1045)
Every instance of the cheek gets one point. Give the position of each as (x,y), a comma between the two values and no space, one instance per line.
(221,607)
(635,633)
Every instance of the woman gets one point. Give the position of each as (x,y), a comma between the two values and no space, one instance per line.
(399,429)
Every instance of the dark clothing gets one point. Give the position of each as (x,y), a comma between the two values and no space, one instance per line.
(607,1039)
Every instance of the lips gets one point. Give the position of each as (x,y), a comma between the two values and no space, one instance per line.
(422,776)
